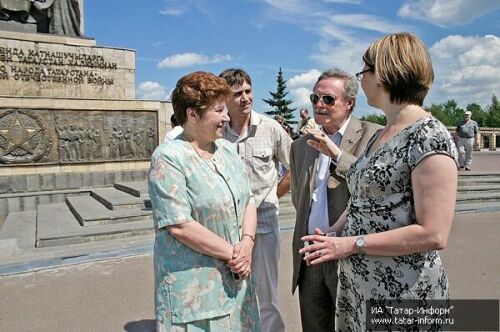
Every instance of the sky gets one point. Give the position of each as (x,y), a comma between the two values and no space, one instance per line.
(304,37)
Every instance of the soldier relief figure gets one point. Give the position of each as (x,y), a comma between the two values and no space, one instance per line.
(128,143)
(59,17)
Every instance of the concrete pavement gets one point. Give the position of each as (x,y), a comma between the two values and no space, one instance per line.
(108,285)
(117,294)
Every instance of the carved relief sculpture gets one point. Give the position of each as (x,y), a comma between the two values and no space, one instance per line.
(26,136)
(23,137)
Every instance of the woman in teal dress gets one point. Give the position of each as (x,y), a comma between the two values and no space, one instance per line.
(205,218)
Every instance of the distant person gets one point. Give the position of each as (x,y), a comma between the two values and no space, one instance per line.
(176,129)
(467,133)
(205,218)
(281,120)
(306,122)
(319,190)
(403,191)
(262,144)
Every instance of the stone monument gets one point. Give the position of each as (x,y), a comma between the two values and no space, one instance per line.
(69,120)
(60,17)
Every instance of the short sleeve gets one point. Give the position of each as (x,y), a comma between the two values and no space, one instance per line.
(284,143)
(167,190)
(430,138)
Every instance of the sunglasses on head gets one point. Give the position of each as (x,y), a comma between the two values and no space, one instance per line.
(326,99)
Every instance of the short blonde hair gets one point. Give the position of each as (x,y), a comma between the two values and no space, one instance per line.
(404,66)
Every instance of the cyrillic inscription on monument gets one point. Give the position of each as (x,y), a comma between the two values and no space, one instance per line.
(40,68)
(49,66)
(63,136)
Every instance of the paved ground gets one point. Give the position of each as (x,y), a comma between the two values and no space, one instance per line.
(108,286)
(117,295)
(485,161)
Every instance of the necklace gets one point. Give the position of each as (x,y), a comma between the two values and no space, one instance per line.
(203,154)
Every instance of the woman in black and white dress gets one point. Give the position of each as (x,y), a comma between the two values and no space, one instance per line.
(403,192)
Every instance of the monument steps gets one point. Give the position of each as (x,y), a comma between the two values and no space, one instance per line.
(124,211)
(11,239)
(478,192)
(479,188)
(134,188)
(113,198)
(478,207)
(89,211)
(56,225)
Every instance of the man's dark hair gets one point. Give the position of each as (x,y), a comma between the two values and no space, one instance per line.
(235,76)
(173,121)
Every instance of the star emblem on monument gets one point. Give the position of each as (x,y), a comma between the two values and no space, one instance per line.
(22,137)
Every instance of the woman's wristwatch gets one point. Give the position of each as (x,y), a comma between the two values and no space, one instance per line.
(360,244)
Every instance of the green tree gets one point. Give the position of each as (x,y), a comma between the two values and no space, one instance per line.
(448,113)
(455,113)
(279,102)
(375,118)
(493,118)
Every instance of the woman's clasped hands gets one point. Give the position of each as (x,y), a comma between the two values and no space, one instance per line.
(241,262)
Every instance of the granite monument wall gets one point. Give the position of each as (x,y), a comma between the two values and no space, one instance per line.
(69,119)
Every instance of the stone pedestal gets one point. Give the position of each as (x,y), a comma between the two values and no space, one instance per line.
(69,118)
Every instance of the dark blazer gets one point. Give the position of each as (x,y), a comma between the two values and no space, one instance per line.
(303,164)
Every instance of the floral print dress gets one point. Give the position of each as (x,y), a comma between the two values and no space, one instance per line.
(382,200)
(194,291)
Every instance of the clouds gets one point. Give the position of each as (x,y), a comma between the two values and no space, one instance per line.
(300,87)
(445,12)
(151,91)
(180,7)
(182,60)
(342,38)
(307,79)
(467,67)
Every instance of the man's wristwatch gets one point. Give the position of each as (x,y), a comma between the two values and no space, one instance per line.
(360,244)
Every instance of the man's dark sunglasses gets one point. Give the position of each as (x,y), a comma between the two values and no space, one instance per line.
(327,100)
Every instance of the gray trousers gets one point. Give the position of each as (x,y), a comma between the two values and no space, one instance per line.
(465,146)
(317,296)
(265,258)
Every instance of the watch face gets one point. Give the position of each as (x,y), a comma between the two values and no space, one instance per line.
(360,242)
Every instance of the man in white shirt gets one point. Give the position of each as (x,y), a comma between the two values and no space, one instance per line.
(319,190)
(176,129)
(262,144)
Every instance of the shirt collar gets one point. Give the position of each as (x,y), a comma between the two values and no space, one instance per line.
(344,126)
(342,129)
(254,121)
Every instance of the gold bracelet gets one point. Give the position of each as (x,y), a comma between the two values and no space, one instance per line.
(250,236)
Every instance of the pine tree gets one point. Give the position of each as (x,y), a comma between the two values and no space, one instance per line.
(279,102)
